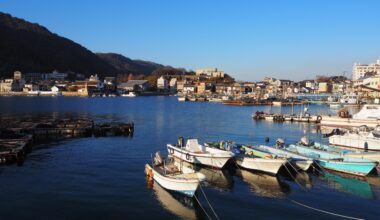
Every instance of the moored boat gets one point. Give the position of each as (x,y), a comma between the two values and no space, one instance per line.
(172,176)
(195,153)
(130,94)
(368,115)
(335,161)
(360,139)
(299,161)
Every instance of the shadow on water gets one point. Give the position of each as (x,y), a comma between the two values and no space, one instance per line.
(182,206)
(264,185)
(353,185)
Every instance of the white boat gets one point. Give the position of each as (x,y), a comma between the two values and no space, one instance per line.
(297,160)
(174,177)
(361,140)
(254,159)
(215,100)
(130,94)
(349,99)
(276,103)
(195,153)
(182,98)
(335,105)
(369,115)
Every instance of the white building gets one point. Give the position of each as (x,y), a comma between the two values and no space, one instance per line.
(162,83)
(210,72)
(360,69)
(173,84)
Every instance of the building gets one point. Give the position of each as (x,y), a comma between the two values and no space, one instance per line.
(359,70)
(134,85)
(162,83)
(180,85)
(201,88)
(31,87)
(55,76)
(210,72)
(173,84)
(324,87)
(187,88)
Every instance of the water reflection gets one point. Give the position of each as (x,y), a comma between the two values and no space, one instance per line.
(304,180)
(264,185)
(181,206)
(349,184)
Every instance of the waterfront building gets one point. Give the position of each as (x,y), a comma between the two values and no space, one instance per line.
(55,76)
(201,88)
(162,83)
(180,85)
(210,72)
(324,87)
(173,84)
(187,88)
(31,87)
(359,70)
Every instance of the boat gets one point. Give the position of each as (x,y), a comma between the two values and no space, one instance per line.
(182,98)
(174,177)
(334,161)
(299,161)
(252,159)
(130,94)
(232,102)
(276,103)
(361,139)
(369,115)
(215,100)
(195,153)
(335,105)
(375,156)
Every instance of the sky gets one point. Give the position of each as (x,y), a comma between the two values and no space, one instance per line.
(249,39)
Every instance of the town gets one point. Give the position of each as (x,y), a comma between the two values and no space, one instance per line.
(207,84)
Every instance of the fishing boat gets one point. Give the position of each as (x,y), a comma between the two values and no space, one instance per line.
(174,177)
(299,161)
(368,115)
(375,156)
(334,161)
(361,139)
(195,153)
(277,103)
(252,159)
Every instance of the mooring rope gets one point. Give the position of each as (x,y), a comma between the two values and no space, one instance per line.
(327,212)
(204,194)
(295,180)
(202,207)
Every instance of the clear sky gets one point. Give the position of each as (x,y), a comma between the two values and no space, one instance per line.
(248,39)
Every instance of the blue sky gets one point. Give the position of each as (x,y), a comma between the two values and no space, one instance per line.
(248,39)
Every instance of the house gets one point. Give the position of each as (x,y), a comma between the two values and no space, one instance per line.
(162,83)
(134,85)
(324,87)
(201,88)
(30,87)
(210,72)
(187,88)
(173,84)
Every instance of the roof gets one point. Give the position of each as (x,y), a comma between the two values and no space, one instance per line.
(132,83)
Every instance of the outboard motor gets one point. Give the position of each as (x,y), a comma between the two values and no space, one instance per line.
(157,160)
(280,142)
(267,139)
(181,142)
(304,141)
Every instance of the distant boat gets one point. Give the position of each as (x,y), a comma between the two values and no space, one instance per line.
(369,115)
(276,103)
(182,98)
(172,176)
(215,100)
(130,94)
(195,153)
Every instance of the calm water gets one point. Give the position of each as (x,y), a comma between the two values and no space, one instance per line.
(103,178)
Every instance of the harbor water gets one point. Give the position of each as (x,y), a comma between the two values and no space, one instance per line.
(103,178)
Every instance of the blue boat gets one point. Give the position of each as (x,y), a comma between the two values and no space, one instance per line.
(335,161)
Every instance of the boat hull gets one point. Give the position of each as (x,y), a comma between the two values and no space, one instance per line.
(271,166)
(302,164)
(361,169)
(357,142)
(210,160)
(183,186)
(335,121)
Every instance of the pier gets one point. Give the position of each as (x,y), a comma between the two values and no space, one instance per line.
(17,136)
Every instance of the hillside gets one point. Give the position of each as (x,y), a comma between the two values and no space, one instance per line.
(30,47)
(126,65)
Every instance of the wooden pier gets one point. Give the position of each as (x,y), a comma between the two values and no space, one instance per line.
(18,135)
